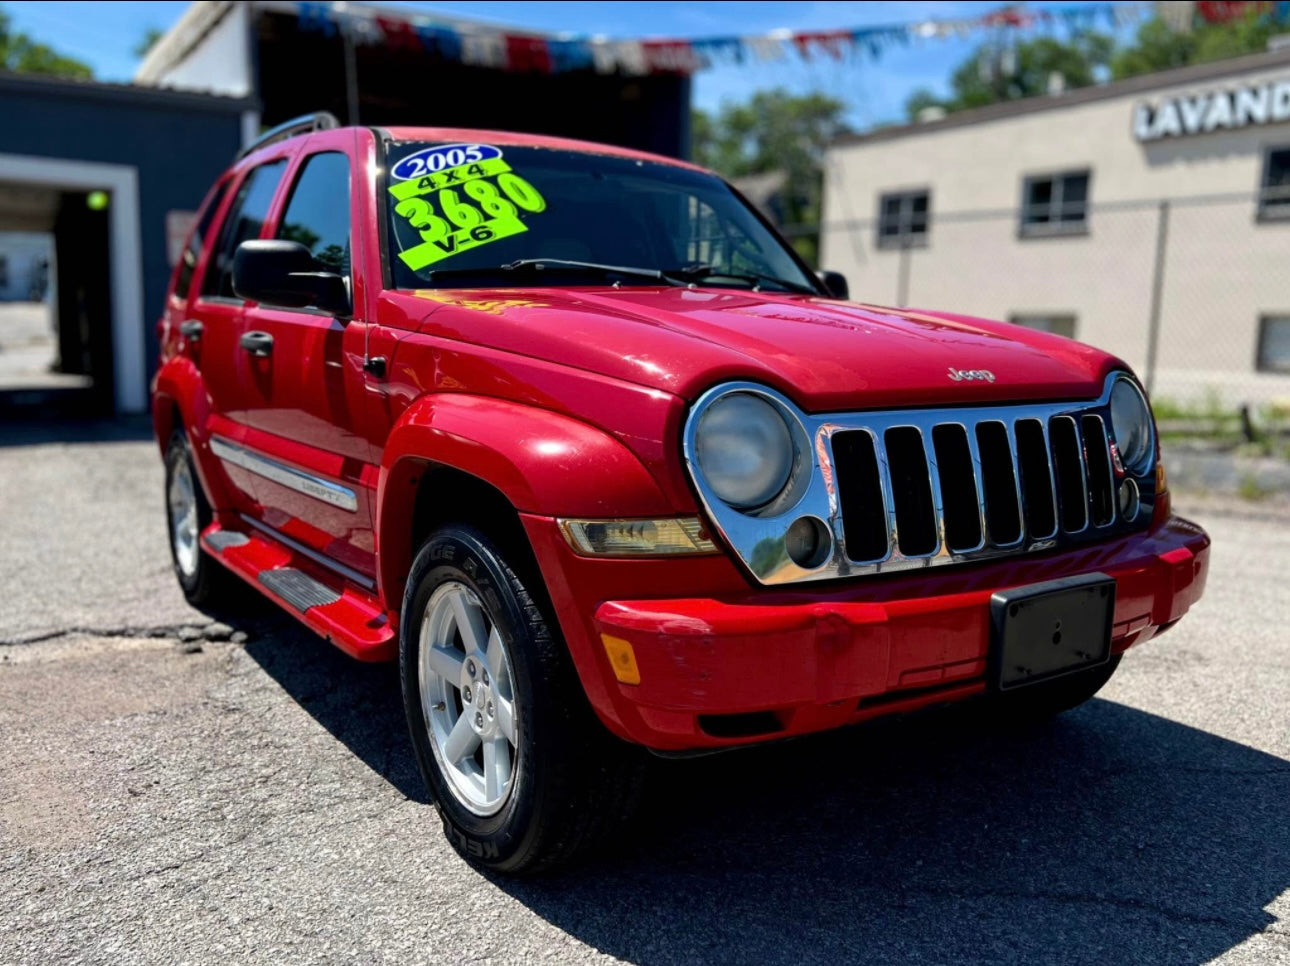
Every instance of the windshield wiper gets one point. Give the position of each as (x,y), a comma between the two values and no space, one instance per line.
(696,273)
(557,265)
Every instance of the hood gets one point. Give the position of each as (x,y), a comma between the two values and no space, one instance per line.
(825,354)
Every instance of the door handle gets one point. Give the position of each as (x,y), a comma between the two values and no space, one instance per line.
(257,343)
(191,330)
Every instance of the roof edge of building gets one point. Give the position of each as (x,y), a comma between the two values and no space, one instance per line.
(1071,98)
(176,43)
(202,16)
(37,84)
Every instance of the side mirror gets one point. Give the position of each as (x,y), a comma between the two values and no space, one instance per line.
(284,273)
(834,282)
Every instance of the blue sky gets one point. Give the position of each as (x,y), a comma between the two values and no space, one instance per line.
(104,33)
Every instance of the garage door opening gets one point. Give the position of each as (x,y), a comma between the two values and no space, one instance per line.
(71,342)
(55,299)
(56,309)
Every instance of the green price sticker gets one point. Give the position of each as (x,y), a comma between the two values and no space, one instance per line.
(458,209)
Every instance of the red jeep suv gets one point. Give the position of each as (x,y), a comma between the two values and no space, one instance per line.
(570,432)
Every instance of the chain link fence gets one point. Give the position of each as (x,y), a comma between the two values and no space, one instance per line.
(1194,293)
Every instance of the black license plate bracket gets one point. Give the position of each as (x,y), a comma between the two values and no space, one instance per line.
(1043,631)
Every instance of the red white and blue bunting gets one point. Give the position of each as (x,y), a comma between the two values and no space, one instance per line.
(500,50)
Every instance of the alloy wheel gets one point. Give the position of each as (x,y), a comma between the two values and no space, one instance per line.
(468,698)
(182,500)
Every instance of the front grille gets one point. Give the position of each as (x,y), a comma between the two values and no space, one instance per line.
(964,484)
(913,488)
(1037,494)
(911,492)
(861,502)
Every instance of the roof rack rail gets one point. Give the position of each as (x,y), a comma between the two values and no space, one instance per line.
(304,124)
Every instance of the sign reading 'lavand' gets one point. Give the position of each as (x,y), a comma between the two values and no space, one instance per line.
(1209,111)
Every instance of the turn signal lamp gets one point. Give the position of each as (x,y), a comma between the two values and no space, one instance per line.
(636,538)
(622,659)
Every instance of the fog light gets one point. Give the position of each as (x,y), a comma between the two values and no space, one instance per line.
(808,542)
(1129,500)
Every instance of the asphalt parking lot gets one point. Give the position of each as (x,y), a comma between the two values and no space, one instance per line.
(184,787)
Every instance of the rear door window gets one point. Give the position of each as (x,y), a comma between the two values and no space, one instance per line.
(192,253)
(245,221)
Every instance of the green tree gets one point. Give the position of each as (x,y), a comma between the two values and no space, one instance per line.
(774,131)
(148,41)
(22,55)
(1157,46)
(998,73)
(921,100)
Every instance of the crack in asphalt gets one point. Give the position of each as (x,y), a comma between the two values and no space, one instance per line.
(211,632)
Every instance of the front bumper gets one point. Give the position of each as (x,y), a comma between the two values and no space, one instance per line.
(739,667)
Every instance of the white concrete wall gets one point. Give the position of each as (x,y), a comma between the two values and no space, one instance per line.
(220,61)
(1223,268)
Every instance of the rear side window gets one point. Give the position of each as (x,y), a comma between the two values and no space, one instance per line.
(197,244)
(245,220)
(317,215)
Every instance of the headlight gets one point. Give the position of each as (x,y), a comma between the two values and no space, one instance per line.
(744,449)
(1131,424)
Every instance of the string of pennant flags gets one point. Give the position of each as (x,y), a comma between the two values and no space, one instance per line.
(499,50)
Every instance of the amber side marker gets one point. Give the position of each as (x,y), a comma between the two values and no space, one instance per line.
(622,658)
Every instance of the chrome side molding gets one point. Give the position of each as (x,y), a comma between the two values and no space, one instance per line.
(288,476)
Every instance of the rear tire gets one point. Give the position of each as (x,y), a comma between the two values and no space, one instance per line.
(188,512)
(523,774)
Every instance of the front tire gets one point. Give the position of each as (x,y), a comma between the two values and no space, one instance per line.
(523,775)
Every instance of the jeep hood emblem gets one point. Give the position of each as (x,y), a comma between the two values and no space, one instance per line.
(965,375)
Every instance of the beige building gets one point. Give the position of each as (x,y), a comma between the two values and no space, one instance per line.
(1150,217)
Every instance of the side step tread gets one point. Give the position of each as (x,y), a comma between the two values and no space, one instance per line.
(349,616)
(221,539)
(297,588)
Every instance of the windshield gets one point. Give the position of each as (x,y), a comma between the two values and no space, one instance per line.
(475,215)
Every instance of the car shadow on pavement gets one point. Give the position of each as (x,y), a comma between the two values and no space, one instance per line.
(358,703)
(1108,835)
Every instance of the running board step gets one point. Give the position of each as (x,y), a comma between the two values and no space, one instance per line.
(348,615)
(297,588)
(221,539)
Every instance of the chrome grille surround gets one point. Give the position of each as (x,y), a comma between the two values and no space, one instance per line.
(759,541)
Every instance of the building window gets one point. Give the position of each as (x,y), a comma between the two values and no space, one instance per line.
(4,271)
(1274,194)
(1055,204)
(1274,344)
(903,219)
(1056,324)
